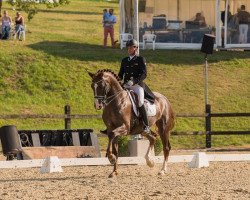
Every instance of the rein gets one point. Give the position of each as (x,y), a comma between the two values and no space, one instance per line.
(112,98)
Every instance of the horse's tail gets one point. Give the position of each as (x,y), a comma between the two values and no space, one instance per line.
(172,117)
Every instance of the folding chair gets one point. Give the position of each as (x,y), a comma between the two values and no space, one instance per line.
(124,37)
(149,38)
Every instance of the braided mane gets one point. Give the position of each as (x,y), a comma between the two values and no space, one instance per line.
(110,72)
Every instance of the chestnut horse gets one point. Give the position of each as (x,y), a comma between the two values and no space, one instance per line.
(120,119)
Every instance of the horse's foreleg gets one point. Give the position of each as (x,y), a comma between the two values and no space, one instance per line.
(148,155)
(113,146)
(110,155)
(115,151)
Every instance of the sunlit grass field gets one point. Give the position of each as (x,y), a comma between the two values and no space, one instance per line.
(47,71)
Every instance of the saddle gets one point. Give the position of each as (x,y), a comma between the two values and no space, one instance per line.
(149,106)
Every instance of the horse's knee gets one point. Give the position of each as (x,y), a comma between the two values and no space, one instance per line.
(167,149)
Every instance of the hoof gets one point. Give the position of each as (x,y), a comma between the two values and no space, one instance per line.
(113,174)
(162,172)
(112,159)
(150,163)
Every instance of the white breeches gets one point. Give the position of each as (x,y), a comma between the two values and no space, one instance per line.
(140,93)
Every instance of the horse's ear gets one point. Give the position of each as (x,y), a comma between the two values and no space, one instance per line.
(91,75)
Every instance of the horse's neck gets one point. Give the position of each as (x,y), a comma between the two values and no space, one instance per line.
(115,88)
(116,95)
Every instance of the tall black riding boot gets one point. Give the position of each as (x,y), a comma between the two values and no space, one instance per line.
(143,113)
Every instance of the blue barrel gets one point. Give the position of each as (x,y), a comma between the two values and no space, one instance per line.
(11,143)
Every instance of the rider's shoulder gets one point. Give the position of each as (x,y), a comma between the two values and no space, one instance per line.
(125,59)
(141,58)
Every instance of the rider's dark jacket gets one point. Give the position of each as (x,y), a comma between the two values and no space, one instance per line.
(135,70)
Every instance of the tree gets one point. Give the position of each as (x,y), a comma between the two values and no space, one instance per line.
(1,2)
(31,6)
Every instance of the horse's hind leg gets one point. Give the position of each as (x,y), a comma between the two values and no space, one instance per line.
(151,139)
(164,132)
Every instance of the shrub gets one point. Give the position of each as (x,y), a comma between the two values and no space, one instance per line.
(158,146)
(123,146)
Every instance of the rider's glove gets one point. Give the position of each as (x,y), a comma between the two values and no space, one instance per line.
(130,83)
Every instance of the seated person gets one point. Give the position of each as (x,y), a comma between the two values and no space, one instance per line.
(19,26)
(199,18)
(6,25)
(197,34)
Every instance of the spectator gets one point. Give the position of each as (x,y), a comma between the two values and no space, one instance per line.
(229,22)
(244,20)
(19,26)
(6,25)
(223,14)
(109,28)
(200,19)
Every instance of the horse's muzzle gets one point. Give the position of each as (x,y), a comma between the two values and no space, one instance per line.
(98,105)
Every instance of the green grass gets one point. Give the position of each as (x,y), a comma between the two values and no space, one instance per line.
(47,71)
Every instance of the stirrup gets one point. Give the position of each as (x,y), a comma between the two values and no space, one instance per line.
(146,130)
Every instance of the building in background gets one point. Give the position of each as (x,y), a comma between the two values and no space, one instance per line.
(182,23)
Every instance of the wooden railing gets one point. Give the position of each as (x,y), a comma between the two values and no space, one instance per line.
(67,116)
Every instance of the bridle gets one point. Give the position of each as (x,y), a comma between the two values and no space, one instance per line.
(100,97)
(103,98)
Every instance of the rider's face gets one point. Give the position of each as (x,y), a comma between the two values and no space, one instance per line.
(132,50)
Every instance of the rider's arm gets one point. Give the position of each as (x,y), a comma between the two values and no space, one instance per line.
(121,72)
(143,70)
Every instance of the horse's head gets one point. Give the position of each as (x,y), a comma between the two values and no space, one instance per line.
(100,88)
(104,83)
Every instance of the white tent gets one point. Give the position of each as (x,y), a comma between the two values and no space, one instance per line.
(174,23)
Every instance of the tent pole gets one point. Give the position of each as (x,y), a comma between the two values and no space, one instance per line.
(225,28)
(137,23)
(217,23)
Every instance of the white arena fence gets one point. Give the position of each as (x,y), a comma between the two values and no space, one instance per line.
(122,160)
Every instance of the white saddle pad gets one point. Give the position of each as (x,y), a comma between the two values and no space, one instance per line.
(150,107)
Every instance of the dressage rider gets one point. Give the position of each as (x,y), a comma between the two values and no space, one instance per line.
(133,71)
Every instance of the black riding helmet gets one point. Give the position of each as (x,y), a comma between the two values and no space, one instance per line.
(132,42)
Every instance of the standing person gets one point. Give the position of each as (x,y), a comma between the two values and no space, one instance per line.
(109,28)
(19,20)
(244,20)
(6,25)
(133,71)
(223,15)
